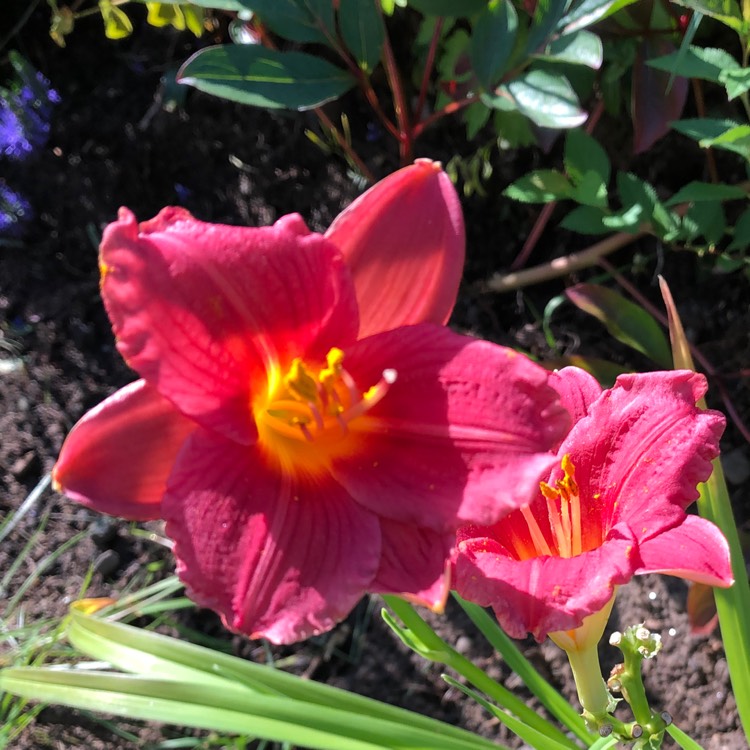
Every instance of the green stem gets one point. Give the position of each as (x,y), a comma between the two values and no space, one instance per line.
(592,692)
(437,649)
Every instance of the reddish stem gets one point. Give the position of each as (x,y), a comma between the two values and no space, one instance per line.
(405,135)
(448,109)
(546,213)
(431,52)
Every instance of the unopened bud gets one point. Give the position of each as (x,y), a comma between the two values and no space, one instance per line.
(642,634)
(615,639)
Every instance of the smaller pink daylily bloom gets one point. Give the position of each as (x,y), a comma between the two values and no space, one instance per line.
(305,424)
(613,507)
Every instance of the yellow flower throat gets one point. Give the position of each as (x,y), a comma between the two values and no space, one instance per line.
(303,419)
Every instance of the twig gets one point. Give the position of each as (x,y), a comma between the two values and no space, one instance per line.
(502,282)
(399,102)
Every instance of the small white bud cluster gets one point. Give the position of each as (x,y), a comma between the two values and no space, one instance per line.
(650,643)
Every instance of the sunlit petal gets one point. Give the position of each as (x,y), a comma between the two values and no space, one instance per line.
(119,455)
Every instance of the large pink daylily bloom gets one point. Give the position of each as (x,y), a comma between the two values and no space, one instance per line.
(613,507)
(305,424)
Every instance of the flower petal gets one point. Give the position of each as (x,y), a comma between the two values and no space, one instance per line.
(118,456)
(577,388)
(545,594)
(694,549)
(414,564)
(277,559)
(463,433)
(404,242)
(201,310)
(641,451)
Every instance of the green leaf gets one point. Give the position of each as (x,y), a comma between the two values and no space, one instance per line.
(626,321)
(492,39)
(714,133)
(726,11)
(475,116)
(546,99)
(586,220)
(696,62)
(695,192)
(541,186)
(636,192)
(579,48)
(585,14)
(591,191)
(547,15)
(363,31)
(116,23)
(741,235)
(263,77)
(736,82)
(583,154)
(298,20)
(456,8)
(709,220)
(513,129)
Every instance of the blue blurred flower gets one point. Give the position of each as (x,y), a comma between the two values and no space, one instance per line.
(25,111)
(14,212)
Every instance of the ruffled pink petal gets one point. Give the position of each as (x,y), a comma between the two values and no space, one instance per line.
(117,458)
(641,451)
(404,242)
(462,435)
(201,310)
(543,595)
(414,564)
(577,388)
(277,557)
(695,550)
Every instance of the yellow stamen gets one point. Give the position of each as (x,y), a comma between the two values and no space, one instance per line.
(565,519)
(540,543)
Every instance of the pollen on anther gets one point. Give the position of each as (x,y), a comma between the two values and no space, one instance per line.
(390,376)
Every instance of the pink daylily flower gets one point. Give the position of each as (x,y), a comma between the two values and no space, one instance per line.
(305,424)
(613,507)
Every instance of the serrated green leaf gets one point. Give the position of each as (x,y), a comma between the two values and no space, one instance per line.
(628,220)
(627,322)
(579,48)
(546,99)
(263,77)
(741,233)
(736,82)
(492,38)
(456,8)
(583,154)
(705,63)
(588,12)
(709,219)
(636,192)
(724,134)
(586,220)
(726,11)
(590,191)
(363,32)
(513,129)
(298,20)
(542,186)
(476,117)
(697,191)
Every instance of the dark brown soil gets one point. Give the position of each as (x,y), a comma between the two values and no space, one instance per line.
(113,144)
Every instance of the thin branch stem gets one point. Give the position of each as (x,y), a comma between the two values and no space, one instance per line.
(429,62)
(449,109)
(502,282)
(399,102)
